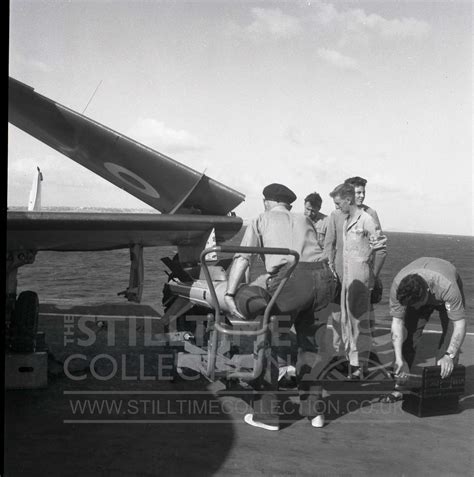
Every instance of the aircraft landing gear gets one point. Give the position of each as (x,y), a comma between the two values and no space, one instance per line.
(26,360)
(22,312)
(24,323)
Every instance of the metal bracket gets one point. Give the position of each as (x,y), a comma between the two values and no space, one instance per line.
(135,284)
(17,258)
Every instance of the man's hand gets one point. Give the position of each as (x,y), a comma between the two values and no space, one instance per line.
(459,333)
(401,370)
(447,365)
(232,307)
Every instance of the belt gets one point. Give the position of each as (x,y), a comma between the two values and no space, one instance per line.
(313,265)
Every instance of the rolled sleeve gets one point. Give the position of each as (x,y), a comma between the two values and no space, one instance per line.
(396,309)
(454,303)
(377,240)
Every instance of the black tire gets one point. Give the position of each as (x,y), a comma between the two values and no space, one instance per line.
(24,322)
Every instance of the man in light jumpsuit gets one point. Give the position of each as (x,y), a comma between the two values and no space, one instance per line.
(333,250)
(364,251)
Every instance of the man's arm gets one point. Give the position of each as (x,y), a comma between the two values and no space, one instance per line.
(379,260)
(398,337)
(457,338)
(329,251)
(240,267)
(374,215)
(321,232)
(378,242)
(237,271)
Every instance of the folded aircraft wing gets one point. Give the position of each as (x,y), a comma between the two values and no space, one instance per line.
(152,177)
(105,231)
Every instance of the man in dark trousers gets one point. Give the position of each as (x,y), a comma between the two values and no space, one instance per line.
(423,286)
(309,288)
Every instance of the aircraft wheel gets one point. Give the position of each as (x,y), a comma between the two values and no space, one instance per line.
(24,323)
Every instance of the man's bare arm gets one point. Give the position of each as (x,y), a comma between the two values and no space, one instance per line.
(379,260)
(237,272)
(398,336)
(447,363)
(457,338)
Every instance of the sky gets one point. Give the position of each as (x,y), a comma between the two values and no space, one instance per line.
(302,93)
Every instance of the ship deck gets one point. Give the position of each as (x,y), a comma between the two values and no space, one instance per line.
(192,426)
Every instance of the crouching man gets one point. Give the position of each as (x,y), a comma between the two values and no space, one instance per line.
(310,287)
(425,285)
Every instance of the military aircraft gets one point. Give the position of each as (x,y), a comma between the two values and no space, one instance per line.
(190,206)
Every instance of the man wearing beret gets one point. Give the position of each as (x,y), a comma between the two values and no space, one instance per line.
(309,288)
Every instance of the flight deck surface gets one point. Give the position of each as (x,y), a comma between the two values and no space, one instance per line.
(122,419)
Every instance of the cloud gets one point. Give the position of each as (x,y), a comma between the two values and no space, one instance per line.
(343,26)
(31,63)
(295,136)
(56,169)
(269,23)
(337,59)
(392,189)
(156,135)
(355,21)
(65,183)
(23,166)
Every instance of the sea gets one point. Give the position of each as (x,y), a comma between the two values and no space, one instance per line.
(89,278)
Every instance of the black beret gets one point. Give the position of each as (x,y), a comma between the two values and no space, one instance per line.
(279,193)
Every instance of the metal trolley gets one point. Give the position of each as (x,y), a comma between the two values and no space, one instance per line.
(226,325)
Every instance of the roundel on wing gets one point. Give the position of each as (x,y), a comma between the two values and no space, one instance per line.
(132,179)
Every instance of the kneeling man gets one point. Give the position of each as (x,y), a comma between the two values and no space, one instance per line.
(425,285)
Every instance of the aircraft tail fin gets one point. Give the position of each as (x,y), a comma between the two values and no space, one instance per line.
(34,202)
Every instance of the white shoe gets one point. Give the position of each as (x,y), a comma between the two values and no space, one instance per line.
(288,371)
(281,372)
(318,421)
(291,371)
(248,418)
